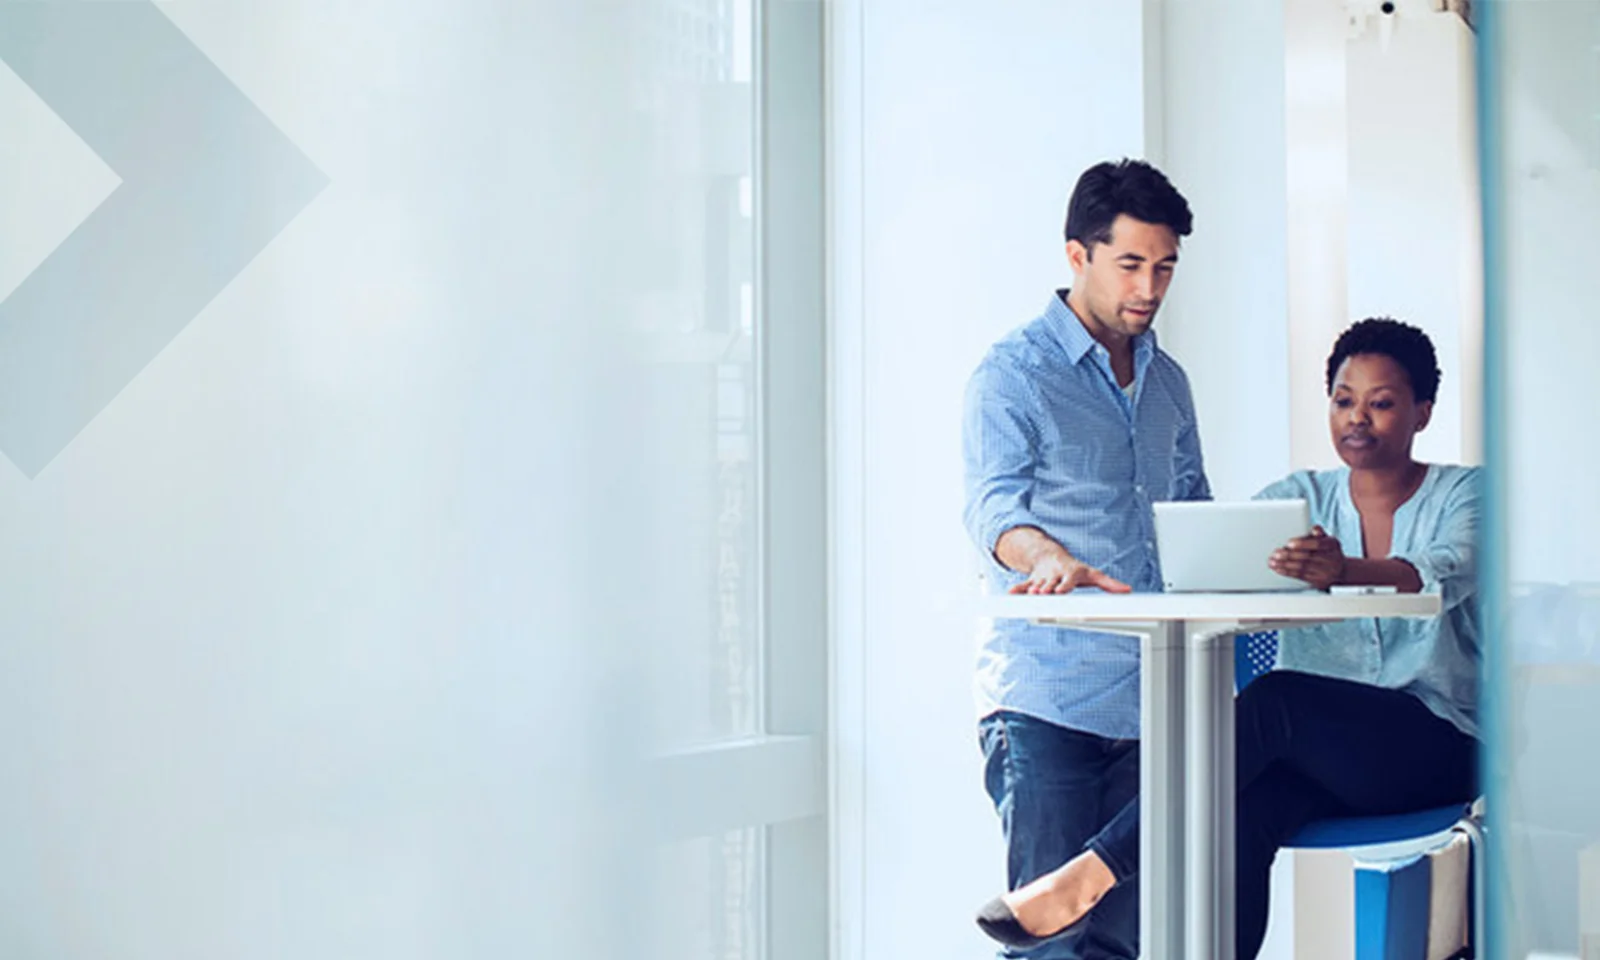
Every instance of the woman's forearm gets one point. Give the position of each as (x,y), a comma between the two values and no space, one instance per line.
(1381,573)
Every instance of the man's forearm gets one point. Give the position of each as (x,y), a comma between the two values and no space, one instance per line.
(1021,547)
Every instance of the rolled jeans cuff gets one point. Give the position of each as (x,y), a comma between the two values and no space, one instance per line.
(1119,869)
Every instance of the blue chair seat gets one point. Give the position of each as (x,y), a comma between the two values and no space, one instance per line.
(1341,832)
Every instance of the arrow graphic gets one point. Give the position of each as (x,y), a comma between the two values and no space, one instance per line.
(207,183)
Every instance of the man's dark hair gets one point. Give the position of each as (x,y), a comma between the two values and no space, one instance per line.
(1400,342)
(1107,190)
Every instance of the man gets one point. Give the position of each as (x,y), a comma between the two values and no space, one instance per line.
(1076,423)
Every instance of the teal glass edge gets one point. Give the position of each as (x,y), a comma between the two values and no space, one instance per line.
(1494,583)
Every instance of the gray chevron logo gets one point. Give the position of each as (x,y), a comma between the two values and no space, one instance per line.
(207,183)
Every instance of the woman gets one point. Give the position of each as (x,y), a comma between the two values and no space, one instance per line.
(1362,717)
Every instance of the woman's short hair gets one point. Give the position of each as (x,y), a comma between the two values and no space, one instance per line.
(1404,344)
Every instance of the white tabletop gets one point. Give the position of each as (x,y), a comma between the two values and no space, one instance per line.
(1089,605)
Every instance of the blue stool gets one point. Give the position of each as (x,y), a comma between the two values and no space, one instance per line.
(1257,653)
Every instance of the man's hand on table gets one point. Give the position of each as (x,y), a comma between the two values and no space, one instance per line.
(1048,565)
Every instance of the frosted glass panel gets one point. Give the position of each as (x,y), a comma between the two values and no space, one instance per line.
(1541,101)
(380,474)
(709,902)
(695,325)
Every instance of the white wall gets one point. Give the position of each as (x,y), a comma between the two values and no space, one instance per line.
(1225,147)
(1348,189)
(959,140)
(1317,137)
(1414,241)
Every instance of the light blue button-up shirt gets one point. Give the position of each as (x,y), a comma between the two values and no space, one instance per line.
(1051,441)
(1435,531)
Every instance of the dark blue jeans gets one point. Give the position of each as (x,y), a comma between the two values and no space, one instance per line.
(1311,747)
(1055,788)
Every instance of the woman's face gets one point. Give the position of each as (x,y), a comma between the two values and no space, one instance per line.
(1373,415)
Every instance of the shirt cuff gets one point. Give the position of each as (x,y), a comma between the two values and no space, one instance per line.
(1432,576)
(997,527)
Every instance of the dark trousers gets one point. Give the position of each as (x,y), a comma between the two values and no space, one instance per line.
(1311,747)
(1054,789)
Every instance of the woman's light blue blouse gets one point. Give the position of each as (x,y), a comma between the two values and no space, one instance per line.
(1436,531)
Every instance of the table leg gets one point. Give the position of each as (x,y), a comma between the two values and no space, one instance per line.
(1210,797)
(1161,800)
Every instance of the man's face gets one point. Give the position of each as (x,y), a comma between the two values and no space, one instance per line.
(1123,281)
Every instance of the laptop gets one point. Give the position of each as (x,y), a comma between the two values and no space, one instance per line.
(1207,546)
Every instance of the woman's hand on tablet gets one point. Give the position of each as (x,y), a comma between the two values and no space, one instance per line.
(1316,558)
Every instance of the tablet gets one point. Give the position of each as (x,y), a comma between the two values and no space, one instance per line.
(1207,546)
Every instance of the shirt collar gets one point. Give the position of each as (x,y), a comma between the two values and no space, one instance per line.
(1074,338)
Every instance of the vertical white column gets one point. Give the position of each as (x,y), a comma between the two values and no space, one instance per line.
(1413,232)
(1318,178)
(1161,784)
(1209,796)
(1214,75)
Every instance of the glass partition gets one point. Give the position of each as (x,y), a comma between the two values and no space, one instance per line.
(1540,101)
